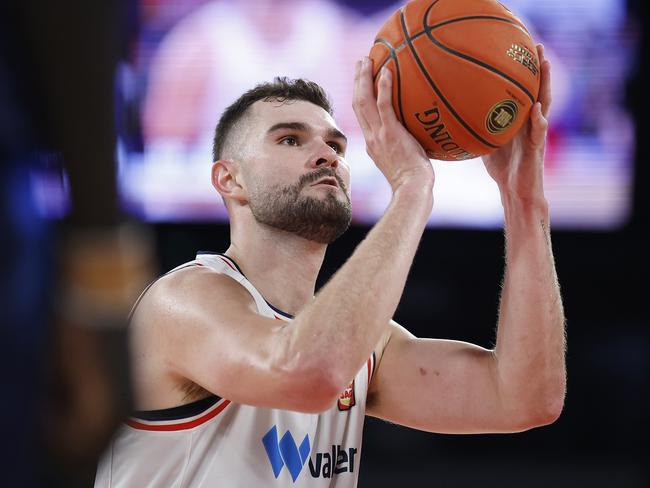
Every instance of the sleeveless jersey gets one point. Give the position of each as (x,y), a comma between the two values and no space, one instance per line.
(215,442)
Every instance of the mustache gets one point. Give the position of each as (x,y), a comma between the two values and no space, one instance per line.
(316,175)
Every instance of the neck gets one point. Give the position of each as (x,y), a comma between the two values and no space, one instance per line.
(282,266)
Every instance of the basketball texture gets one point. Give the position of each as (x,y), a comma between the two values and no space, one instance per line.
(465,74)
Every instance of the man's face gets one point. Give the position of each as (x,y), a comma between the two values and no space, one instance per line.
(294,168)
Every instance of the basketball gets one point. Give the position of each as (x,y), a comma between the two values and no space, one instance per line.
(465,74)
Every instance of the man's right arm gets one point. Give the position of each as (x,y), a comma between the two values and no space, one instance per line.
(213,336)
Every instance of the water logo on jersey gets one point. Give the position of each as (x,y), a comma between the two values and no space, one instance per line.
(286,452)
(346,399)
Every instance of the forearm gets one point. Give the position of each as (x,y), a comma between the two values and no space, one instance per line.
(530,338)
(339,329)
(334,335)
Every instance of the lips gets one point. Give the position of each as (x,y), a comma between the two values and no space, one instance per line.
(331,181)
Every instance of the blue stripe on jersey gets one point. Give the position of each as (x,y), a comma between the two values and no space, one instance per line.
(180,412)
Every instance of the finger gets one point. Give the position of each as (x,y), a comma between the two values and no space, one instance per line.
(539,125)
(365,103)
(363,123)
(544,96)
(385,97)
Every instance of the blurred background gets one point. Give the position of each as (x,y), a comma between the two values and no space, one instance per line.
(168,69)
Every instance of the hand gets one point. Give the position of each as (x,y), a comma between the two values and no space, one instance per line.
(394,150)
(518,167)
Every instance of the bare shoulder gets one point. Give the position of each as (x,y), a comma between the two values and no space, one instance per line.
(200,328)
(176,296)
(177,312)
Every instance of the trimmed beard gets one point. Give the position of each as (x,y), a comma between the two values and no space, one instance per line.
(314,219)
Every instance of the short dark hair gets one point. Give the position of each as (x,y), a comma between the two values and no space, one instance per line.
(280,89)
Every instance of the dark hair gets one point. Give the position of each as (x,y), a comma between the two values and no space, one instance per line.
(280,89)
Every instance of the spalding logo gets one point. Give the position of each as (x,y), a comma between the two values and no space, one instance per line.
(501,116)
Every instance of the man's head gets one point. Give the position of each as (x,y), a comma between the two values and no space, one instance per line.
(279,154)
(279,90)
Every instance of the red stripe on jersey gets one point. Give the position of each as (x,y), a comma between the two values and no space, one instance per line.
(226,261)
(180,426)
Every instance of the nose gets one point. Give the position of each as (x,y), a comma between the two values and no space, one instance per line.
(325,156)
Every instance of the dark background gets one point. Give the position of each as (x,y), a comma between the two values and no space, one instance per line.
(453,291)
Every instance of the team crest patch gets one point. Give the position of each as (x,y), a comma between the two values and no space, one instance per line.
(346,399)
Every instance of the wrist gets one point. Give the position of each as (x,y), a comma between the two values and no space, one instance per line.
(414,192)
(529,203)
(522,212)
(414,179)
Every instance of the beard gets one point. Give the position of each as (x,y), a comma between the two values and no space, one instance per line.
(314,219)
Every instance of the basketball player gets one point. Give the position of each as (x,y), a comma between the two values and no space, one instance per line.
(244,378)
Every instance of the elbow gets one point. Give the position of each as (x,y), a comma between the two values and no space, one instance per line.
(553,406)
(312,382)
(553,400)
(544,410)
(312,389)
(320,393)
(546,416)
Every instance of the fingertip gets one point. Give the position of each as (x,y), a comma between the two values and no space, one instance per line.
(537,109)
(538,124)
(539,115)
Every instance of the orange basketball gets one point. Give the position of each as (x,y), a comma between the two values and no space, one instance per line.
(465,74)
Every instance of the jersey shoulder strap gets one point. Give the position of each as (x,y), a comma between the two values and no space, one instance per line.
(223,264)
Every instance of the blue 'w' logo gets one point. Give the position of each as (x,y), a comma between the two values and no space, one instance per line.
(285,452)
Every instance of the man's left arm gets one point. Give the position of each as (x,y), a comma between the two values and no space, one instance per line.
(456,387)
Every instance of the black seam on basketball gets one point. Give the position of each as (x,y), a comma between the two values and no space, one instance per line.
(476,61)
(391,49)
(430,28)
(459,19)
(393,56)
(433,85)
(403,45)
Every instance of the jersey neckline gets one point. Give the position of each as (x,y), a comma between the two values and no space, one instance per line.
(234,263)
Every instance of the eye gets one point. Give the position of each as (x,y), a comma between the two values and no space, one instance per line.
(289,141)
(337,147)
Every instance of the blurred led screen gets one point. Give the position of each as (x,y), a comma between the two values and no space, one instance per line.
(194,58)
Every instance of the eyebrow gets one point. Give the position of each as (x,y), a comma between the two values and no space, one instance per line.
(302,127)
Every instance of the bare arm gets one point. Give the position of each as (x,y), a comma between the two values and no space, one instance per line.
(459,387)
(340,329)
(304,365)
(530,338)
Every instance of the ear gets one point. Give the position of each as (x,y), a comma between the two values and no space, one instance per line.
(226,179)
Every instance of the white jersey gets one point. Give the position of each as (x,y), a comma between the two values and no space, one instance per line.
(215,442)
